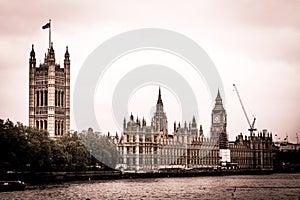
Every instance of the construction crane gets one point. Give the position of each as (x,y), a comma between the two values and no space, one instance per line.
(251,129)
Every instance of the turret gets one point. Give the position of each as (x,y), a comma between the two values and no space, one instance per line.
(67,59)
(194,124)
(144,122)
(32,60)
(174,126)
(131,117)
(32,65)
(51,55)
(124,123)
(200,130)
(67,85)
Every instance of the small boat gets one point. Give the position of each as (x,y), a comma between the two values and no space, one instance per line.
(11,185)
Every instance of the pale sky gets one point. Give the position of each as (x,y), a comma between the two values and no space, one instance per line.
(255,45)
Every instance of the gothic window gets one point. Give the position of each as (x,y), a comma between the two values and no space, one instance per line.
(58,127)
(133,161)
(55,129)
(37,98)
(46,98)
(141,161)
(55,98)
(62,98)
(141,150)
(45,124)
(42,98)
(58,98)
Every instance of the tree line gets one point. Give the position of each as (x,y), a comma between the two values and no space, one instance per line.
(25,148)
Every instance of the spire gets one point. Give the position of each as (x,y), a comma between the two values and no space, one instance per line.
(201,130)
(144,122)
(124,123)
(194,120)
(218,104)
(51,51)
(51,55)
(67,55)
(131,117)
(219,99)
(194,124)
(32,60)
(32,53)
(159,100)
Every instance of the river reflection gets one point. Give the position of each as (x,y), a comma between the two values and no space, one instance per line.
(275,186)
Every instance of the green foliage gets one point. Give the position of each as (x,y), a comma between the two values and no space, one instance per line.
(101,148)
(24,148)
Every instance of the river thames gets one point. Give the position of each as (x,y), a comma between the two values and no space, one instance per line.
(275,186)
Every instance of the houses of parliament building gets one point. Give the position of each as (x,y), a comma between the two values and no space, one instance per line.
(145,147)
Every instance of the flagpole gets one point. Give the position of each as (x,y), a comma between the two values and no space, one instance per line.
(50,34)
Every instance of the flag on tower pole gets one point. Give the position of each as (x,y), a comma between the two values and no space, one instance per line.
(48,25)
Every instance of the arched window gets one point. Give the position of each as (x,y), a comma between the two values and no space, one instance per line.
(45,124)
(42,98)
(46,98)
(37,98)
(55,98)
(37,124)
(41,124)
(55,129)
(58,99)
(62,127)
(58,127)
(62,98)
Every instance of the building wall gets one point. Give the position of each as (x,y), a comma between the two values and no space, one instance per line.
(150,148)
(253,152)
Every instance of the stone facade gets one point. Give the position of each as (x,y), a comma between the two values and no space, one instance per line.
(253,152)
(49,94)
(151,148)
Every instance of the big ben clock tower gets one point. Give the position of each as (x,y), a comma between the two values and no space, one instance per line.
(218,118)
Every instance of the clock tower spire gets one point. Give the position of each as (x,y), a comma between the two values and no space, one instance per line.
(218,118)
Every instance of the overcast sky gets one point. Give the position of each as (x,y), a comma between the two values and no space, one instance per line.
(254,45)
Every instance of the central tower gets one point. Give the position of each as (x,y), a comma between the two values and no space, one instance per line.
(159,120)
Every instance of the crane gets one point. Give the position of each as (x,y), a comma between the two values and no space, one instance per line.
(251,129)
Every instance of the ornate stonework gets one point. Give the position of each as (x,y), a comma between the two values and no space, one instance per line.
(49,94)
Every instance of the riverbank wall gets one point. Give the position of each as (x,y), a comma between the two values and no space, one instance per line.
(56,177)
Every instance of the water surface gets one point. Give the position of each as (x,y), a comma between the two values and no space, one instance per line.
(275,186)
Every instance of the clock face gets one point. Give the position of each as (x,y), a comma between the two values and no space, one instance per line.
(217,119)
